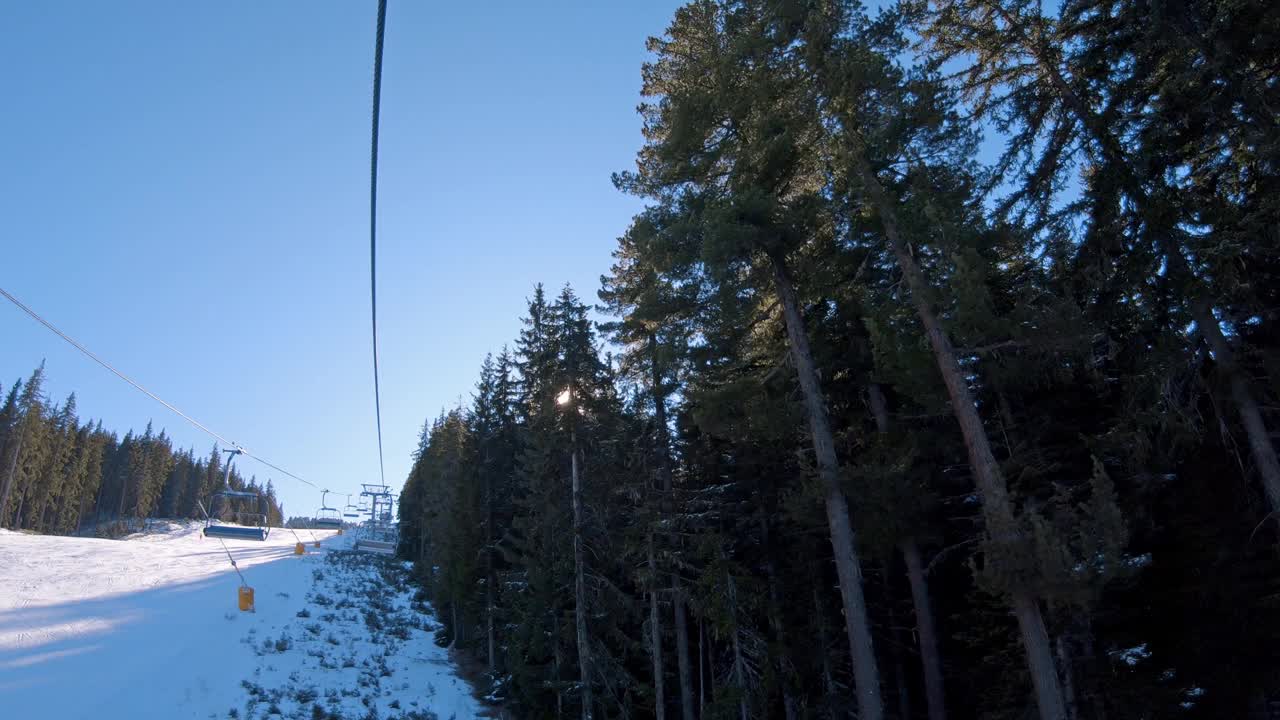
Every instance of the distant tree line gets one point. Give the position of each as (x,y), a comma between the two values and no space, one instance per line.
(62,476)
(299,522)
(891,430)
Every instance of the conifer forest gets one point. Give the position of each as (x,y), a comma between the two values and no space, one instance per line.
(938,378)
(63,475)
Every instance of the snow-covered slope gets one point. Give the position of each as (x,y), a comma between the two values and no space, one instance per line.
(148,628)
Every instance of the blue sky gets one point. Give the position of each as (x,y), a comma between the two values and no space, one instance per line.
(185,190)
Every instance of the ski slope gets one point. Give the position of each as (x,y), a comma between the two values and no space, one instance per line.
(148,627)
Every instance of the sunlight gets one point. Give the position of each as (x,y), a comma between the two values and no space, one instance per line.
(564,397)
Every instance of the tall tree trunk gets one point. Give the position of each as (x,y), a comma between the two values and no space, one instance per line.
(664,481)
(124,494)
(580,591)
(682,649)
(655,639)
(556,662)
(490,577)
(997,509)
(1063,652)
(930,657)
(97,502)
(664,469)
(828,677)
(790,705)
(1076,653)
(1092,689)
(848,569)
(895,654)
(702,678)
(739,673)
(22,503)
(490,633)
(1044,676)
(1260,447)
(735,643)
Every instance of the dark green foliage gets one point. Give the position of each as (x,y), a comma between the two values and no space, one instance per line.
(59,475)
(1078,280)
(1106,289)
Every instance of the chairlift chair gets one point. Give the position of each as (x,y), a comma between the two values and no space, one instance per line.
(327,518)
(249,525)
(351,510)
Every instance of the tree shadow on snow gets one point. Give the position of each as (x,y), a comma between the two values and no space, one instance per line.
(74,654)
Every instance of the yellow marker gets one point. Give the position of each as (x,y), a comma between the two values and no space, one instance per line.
(299,549)
(246,598)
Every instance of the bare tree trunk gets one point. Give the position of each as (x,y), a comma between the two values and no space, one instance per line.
(895,653)
(997,509)
(1044,676)
(739,664)
(580,591)
(555,662)
(1260,447)
(22,503)
(1092,687)
(490,577)
(489,629)
(655,639)
(739,673)
(664,468)
(930,657)
(1068,685)
(682,650)
(655,617)
(789,703)
(1076,654)
(848,569)
(97,502)
(828,678)
(702,678)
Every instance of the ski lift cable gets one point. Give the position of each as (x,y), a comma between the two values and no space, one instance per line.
(74,343)
(373,225)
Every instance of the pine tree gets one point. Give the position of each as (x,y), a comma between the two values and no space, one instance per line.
(1107,68)
(23,436)
(30,452)
(757,190)
(51,483)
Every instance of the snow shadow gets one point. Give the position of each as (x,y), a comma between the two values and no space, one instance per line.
(177,644)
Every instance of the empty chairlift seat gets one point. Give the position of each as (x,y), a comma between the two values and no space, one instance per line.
(247,526)
(327,518)
(236,532)
(381,547)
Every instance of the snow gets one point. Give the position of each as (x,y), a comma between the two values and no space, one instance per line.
(148,627)
(1132,656)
